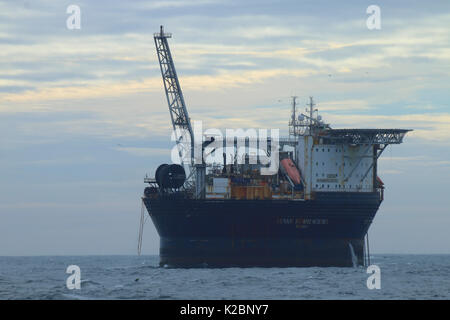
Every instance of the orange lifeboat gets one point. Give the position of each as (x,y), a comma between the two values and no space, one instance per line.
(291,170)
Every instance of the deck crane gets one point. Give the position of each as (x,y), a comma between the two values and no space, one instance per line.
(179,115)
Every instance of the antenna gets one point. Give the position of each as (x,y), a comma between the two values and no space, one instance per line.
(293,123)
(311,111)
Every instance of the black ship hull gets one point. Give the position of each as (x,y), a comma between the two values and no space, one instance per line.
(326,231)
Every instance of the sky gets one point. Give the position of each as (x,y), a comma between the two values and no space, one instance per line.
(83,115)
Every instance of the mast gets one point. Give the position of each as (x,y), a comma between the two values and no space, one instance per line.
(311,111)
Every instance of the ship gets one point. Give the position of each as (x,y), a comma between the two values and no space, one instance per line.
(312,205)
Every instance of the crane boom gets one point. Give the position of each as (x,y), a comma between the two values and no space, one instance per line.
(179,115)
(177,107)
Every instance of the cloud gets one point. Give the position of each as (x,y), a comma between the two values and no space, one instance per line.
(422,161)
(225,79)
(345,105)
(243,62)
(155,5)
(145,152)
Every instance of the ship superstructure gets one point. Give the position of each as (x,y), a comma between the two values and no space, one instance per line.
(313,210)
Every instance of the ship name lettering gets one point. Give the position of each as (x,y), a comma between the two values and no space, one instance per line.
(300,221)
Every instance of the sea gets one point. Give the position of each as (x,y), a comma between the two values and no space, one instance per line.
(140,277)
